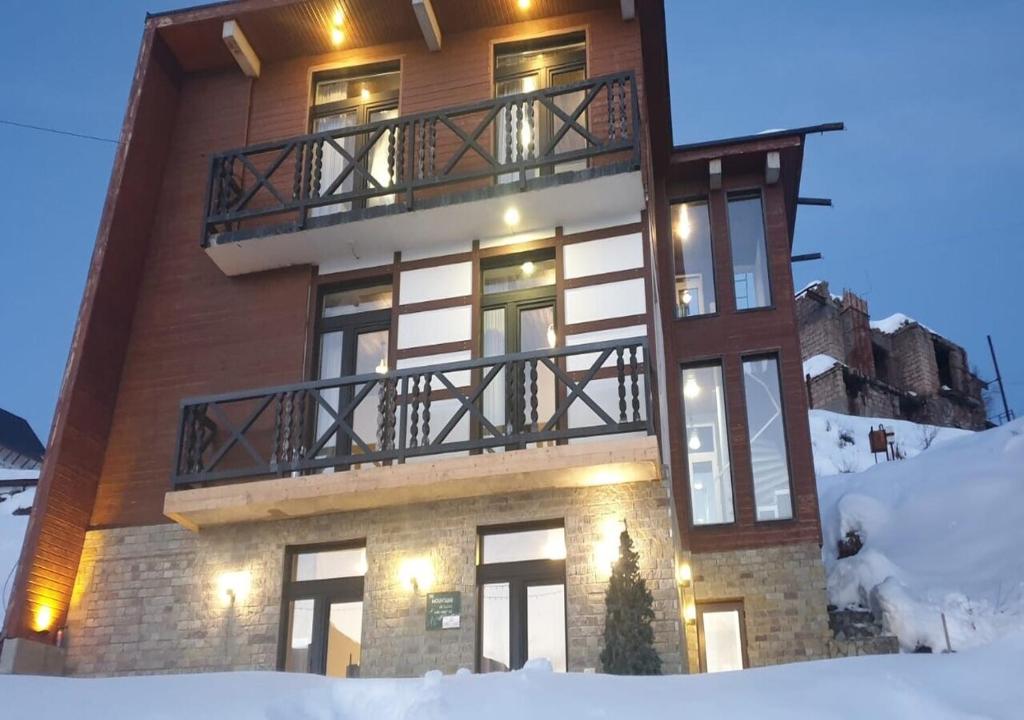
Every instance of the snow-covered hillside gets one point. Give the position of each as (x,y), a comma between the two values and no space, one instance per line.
(942,532)
(12,530)
(982,683)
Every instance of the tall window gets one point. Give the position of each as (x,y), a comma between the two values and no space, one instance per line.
(721,635)
(523,67)
(707,445)
(695,274)
(521,577)
(749,254)
(768,457)
(353,331)
(345,99)
(322,625)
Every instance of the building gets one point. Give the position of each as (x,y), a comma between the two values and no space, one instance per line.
(894,368)
(458,312)
(20,448)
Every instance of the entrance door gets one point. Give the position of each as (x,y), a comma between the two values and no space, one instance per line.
(522,597)
(353,331)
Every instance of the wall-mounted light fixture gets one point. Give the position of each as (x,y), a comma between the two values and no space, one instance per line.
(684,574)
(42,618)
(233,587)
(337,34)
(511,217)
(416,574)
(606,551)
(690,614)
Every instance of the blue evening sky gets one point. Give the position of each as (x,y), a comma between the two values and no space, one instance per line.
(928,217)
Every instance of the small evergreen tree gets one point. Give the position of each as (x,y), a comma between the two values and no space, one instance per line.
(628,635)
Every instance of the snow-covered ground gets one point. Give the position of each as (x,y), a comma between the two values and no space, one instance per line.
(981,683)
(942,532)
(12,529)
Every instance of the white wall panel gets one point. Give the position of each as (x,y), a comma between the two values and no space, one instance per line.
(426,250)
(517,238)
(606,394)
(459,379)
(600,223)
(610,300)
(436,283)
(606,255)
(434,326)
(583,362)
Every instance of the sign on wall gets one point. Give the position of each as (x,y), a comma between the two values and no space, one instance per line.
(444,610)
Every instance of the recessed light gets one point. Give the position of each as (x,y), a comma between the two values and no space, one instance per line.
(523,4)
(337,37)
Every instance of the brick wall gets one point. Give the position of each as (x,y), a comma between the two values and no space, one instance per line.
(828,392)
(915,359)
(146,599)
(784,602)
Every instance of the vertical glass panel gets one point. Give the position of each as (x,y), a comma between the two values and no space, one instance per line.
(300,636)
(344,639)
(520,276)
(768,457)
(537,332)
(545,624)
(371,356)
(347,562)
(695,276)
(334,163)
(707,444)
(514,135)
(330,367)
(378,158)
(495,635)
(749,254)
(546,544)
(356,300)
(494,344)
(723,642)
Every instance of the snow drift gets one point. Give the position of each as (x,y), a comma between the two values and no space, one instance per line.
(941,532)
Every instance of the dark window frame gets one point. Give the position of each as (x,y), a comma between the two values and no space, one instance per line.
(715,361)
(748,194)
(323,593)
(680,200)
(718,606)
(520,576)
(773,354)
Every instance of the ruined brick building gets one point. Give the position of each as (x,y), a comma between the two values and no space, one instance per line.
(893,368)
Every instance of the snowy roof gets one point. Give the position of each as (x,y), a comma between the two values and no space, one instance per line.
(896,322)
(18,474)
(811,285)
(819,365)
(17,435)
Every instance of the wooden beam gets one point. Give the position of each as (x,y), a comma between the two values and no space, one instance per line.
(240,48)
(772,167)
(628,9)
(425,16)
(715,173)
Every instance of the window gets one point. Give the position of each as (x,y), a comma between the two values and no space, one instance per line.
(943,364)
(345,99)
(323,610)
(721,633)
(768,457)
(518,314)
(353,333)
(521,579)
(749,253)
(523,67)
(707,445)
(695,275)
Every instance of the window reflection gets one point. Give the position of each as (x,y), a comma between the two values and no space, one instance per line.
(768,457)
(749,254)
(695,277)
(707,445)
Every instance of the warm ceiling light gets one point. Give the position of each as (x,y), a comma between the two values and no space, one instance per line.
(365,93)
(694,443)
(337,37)
(523,4)
(690,388)
(687,297)
(528,268)
(511,217)
(338,18)
(43,618)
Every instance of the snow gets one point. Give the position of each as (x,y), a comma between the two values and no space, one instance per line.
(895,322)
(942,531)
(819,365)
(979,683)
(12,531)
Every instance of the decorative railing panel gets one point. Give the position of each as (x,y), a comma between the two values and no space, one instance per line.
(488,404)
(511,139)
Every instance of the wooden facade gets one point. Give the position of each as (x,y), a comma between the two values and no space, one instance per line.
(160,322)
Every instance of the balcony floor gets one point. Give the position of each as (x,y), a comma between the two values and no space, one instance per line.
(565,199)
(586,464)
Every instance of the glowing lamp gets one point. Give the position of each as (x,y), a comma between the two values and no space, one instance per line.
(552,336)
(694,443)
(528,267)
(687,297)
(416,574)
(690,614)
(607,550)
(337,37)
(683,226)
(691,388)
(523,4)
(43,618)
(684,574)
(382,366)
(233,587)
(511,217)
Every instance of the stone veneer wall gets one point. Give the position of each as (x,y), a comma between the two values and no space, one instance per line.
(146,599)
(784,601)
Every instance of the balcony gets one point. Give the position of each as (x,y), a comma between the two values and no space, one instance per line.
(490,425)
(566,153)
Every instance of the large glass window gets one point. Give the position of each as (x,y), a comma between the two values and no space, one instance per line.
(695,274)
(768,457)
(707,445)
(749,254)
(521,576)
(720,628)
(323,620)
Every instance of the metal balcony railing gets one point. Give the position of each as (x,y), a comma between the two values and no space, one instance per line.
(489,404)
(392,165)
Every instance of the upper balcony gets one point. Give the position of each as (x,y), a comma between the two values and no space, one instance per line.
(499,424)
(567,153)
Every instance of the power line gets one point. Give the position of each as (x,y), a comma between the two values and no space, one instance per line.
(55,131)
